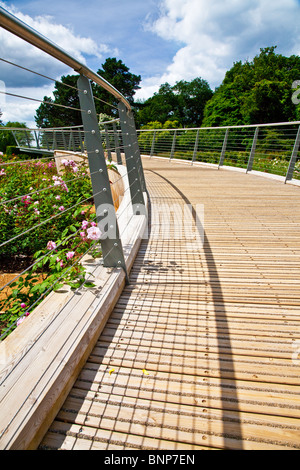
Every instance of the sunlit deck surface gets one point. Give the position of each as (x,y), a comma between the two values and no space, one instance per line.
(202,350)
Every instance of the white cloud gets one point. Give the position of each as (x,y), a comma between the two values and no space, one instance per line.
(72,42)
(23,110)
(213,35)
(20,52)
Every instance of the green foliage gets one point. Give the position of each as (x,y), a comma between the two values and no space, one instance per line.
(162,138)
(56,245)
(23,213)
(118,75)
(58,264)
(6,137)
(256,92)
(66,94)
(184,102)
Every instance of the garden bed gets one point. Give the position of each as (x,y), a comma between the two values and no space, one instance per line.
(40,360)
(57,200)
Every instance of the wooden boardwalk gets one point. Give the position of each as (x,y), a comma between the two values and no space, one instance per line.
(202,350)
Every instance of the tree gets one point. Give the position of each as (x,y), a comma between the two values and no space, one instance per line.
(255,92)
(63,110)
(7,139)
(162,106)
(65,94)
(185,102)
(117,74)
(192,98)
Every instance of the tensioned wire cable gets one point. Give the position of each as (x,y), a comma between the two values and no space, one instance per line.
(70,236)
(50,103)
(70,348)
(55,186)
(53,80)
(25,161)
(48,187)
(62,276)
(85,154)
(51,218)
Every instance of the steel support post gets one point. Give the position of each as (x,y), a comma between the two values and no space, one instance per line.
(54,144)
(108,149)
(153,145)
(252,153)
(15,137)
(112,250)
(173,145)
(46,139)
(196,147)
(64,140)
(81,140)
(293,160)
(222,157)
(117,144)
(132,156)
(36,140)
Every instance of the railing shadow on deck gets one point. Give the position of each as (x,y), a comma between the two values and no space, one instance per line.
(108,380)
(219,306)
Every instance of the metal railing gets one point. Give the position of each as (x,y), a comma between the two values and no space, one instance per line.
(271,148)
(117,137)
(48,141)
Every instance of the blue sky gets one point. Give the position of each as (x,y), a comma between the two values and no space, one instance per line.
(161,40)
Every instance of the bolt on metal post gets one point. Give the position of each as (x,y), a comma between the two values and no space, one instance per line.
(113,255)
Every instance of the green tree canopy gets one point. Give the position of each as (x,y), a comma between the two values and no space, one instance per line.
(255,92)
(184,102)
(7,138)
(57,112)
(118,75)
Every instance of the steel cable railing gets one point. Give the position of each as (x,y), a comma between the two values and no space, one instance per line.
(270,148)
(31,200)
(66,206)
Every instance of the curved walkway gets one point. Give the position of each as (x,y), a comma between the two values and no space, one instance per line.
(202,349)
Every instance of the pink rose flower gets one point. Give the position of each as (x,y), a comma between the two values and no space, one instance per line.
(20,321)
(93,233)
(70,254)
(51,245)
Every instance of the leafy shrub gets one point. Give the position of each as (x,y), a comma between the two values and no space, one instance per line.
(51,219)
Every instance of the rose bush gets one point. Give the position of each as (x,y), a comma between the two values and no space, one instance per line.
(51,222)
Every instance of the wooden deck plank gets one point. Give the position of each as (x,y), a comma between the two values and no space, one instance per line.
(201,350)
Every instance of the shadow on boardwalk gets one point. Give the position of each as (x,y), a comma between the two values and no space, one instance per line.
(219,305)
